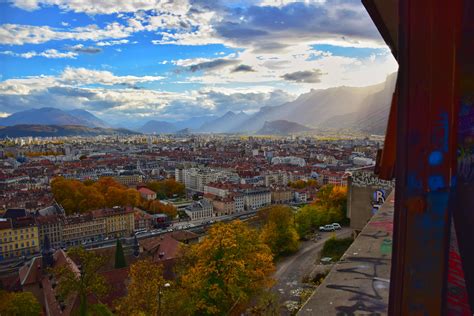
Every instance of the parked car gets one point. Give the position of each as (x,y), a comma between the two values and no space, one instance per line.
(336,226)
(327,228)
(326,260)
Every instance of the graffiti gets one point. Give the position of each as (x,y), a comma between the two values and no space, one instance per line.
(378,200)
(368,179)
(371,307)
(465,165)
(376,235)
(385,225)
(457,297)
(366,299)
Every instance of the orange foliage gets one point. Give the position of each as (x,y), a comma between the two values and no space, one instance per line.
(79,197)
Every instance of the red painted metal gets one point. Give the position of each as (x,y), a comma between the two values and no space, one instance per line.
(429,37)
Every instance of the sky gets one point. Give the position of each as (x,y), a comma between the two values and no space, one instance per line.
(131,61)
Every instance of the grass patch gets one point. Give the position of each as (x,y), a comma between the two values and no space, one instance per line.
(335,248)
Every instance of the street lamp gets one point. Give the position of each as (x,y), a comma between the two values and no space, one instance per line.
(166,285)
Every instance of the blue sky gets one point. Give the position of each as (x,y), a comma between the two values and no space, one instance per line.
(131,61)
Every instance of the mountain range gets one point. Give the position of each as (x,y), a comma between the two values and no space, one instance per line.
(53,116)
(354,108)
(26,130)
(164,127)
(282,127)
(361,108)
(228,122)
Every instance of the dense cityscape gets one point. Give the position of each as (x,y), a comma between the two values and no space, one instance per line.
(131,198)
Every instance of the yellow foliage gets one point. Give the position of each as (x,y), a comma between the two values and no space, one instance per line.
(229,267)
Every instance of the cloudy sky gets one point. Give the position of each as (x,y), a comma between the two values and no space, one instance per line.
(129,61)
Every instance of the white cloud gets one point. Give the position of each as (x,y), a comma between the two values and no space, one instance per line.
(49,53)
(71,77)
(72,89)
(106,7)
(112,43)
(16,34)
(83,76)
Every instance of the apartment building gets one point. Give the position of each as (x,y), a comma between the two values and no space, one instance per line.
(195,179)
(222,206)
(199,210)
(51,226)
(119,222)
(256,198)
(79,229)
(281,196)
(129,180)
(18,237)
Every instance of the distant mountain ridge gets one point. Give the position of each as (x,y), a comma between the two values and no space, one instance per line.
(359,108)
(53,116)
(282,127)
(27,130)
(226,123)
(158,127)
(164,127)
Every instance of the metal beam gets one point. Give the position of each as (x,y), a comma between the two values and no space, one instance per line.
(426,154)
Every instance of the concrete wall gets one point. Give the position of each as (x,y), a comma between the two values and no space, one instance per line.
(366,194)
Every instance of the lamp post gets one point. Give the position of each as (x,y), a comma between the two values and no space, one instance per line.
(166,285)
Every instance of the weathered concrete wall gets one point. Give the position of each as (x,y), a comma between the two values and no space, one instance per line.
(359,283)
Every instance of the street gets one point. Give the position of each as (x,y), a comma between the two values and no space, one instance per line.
(291,270)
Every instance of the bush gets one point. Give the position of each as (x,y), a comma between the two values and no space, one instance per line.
(335,248)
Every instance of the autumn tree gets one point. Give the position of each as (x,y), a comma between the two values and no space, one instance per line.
(157,207)
(301,184)
(105,183)
(146,283)
(227,269)
(133,197)
(330,206)
(19,303)
(80,197)
(279,231)
(86,281)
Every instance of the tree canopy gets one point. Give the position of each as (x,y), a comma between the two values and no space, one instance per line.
(79,197)
(146,282)
(167,188)
(88,282)
(279,231)
(223,272)
(330,206)
(19,303)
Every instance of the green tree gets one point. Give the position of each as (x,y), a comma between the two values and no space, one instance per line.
(279,232)
(329,207)
(167,188)
(306,220)
(86,281)
(19,304)
(119,255)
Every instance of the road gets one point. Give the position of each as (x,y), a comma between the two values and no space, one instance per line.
(291,270)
